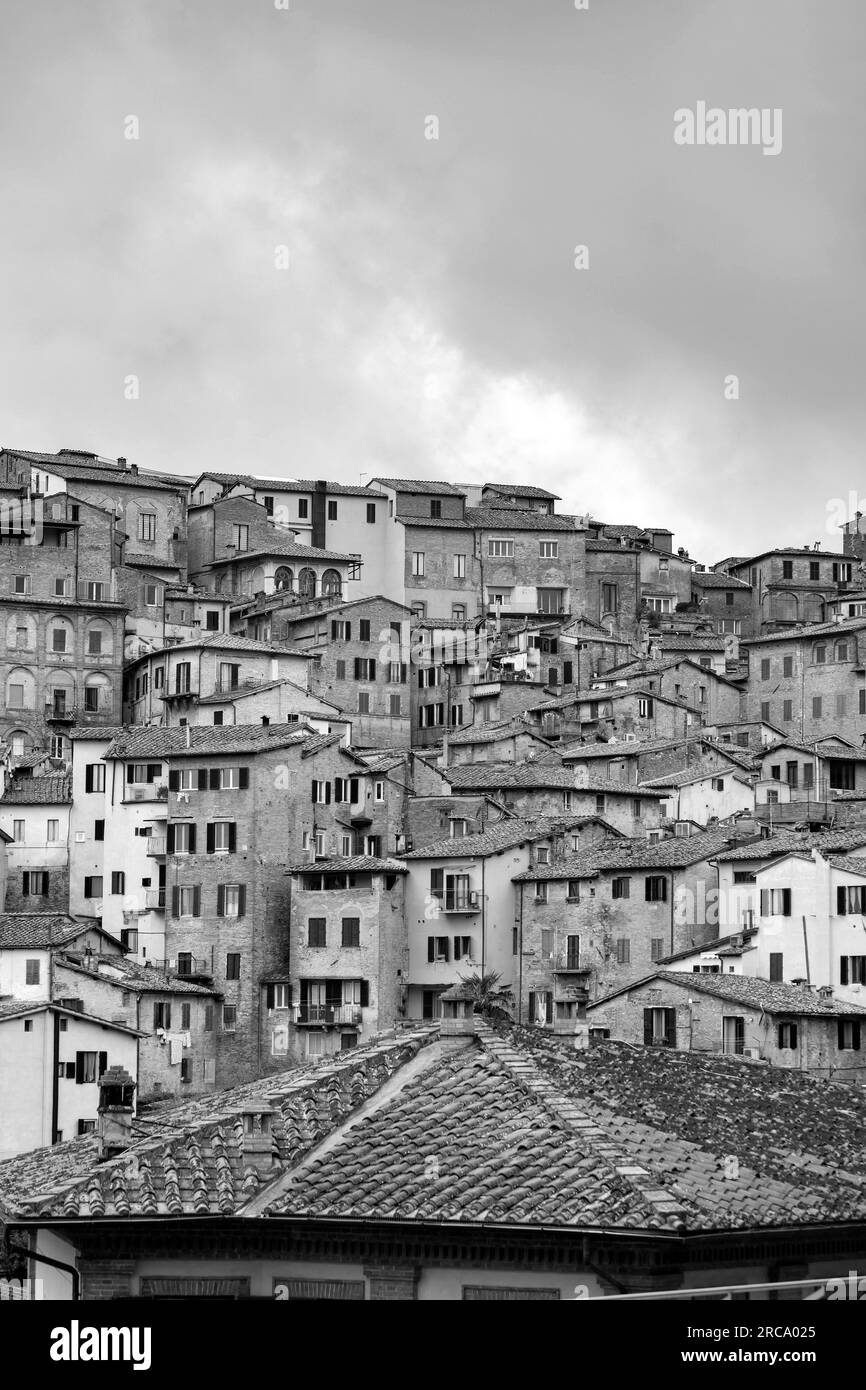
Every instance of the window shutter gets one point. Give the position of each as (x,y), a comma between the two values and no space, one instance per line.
(233,837)
(242,900)
(173,781)
(446,951)
(338,789)
(357,665)
(840,900)
(209,837)
(437,882)
(457,948)
(221,900)
(25,885)
(648,889)
(671,1027)
(855,1034)
(202,779)
(765,902)
(156,1016)
(168,1016)
(402,673)
(333,630)
(103,1064)
(843,970)
(196,902)
(270,993)
(129,771)
(431,948)
(365,994)
(371,669)
(348,632)
(840,1033)
(786,902)
(192,831)
(175,901)
(213,779)
(647,1027)
(79,1068)
(314,786)
(88,778)
(354,788)
(327,793)
(244,778)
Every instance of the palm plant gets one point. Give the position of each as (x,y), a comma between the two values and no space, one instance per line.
(488,996)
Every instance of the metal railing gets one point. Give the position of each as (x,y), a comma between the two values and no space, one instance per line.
(329,1013)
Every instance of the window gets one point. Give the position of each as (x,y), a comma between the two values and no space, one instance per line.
(240,536)
(58,639)
(657,947)
(61,586)
(660,1027)
(93,886)
(316,932)
(787,666)
(341,671)
(208,1018)
(34,883)
(816,706)
(819,655)
(852,970)
(777,967)
(500,549)
(765,669)
(21,583)
(765,711)
(459,566)
(849,1034)
(787,569)
(231,900)
(573,890)
(371,513)
(435,507)
(230,1018)
(787,1034)
(212,621)
(89,1066)
(851,898)
(332,509)
(841,705)
(118,881)
(787,711)
(548,550)
(363,702)
(541,892)
(233,965)
(645,706)
(656,888)
(182,674)
(365,629)
(542,855)
(181,838)
(351,932)
(621,888)
(365,668)
(221,837)
(814,570)
(31,972)
(277,997)
(775,902)
(18,831)
(418,563)
(186,902)
(303,508)
(623,950)
(147,526)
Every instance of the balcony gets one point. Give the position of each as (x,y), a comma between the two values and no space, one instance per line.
(328,1014)
(469,901)
(566,964)
(145,791)
(186,967)
(59,712)
(156,846)
(154,898)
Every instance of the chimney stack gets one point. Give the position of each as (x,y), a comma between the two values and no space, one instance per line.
(115,1111)
(258,1139)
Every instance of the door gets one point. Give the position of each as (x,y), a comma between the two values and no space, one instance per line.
(733,1034)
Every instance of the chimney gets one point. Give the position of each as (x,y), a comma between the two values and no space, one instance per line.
(115,1111)
(188,736)
(258,1139)
(133,468)
(121,462)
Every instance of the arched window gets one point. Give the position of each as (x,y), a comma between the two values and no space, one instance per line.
(307,583)
(284,579)
(20,633)
(841,651)
(60,697)
(60,637)
(97,694)
(332,585)
(784,608)
(97,641)
(813,609)
(20,689)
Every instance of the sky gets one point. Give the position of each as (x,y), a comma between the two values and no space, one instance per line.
(282,273)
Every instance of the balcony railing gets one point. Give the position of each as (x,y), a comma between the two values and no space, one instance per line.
(184,966)
(329,1013)
(58,713)
(146,791)
(464,901)
(156,846)
(565,963)
(154,898)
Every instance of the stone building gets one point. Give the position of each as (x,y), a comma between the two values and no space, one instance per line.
(637,712)
(34,815)
(165,686)
(809,681)
(549,789)
(791,585)
(784,1026)
(726,600)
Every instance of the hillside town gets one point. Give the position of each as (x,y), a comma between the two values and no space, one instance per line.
(420,852)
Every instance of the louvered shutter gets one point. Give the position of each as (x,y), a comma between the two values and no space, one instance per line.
(765,902)
(221,900)
(243,778)
(213,779)
(202,779)
(175,901)
(242,900)
(173,781)
(647,1027)
(233,837)
(327,793)
(196,902)
(192,839)
(209,837)
(169,839)
(841,904)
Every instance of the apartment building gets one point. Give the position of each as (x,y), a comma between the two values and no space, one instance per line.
(614,713)
(550,789)
(809,681)
(680,679)
(165,686)
(34,822)
(792,585)
(348,957)
(726,600)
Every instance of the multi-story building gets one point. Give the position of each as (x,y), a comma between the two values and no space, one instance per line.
(550,789)
(348,957)
(165,686)
(792,585)
(726,600)
(34,815)
(809,681)
(637,711)
(679,679)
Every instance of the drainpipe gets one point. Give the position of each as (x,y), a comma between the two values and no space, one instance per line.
(520,962)
(55,1088)
(59,1264)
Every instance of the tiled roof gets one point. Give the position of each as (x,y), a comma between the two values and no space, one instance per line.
(422,486)
(807,631)
(494,519)
(28,760)
(793,550)
(673,853)
(352,864)
(503,835)
(11,1008)
(698,772)
(596,696)
(849,863)
(95,470)
(37,791)
(828,842)
(207,739)
(132,975)
(263,484)
(280,547)
(492,776)
(684,644)
(709,579)
(228,642)
(187,1158)
(492,732)
(448,523)
(37,931)
(759,994)
(522,490)
(825,748)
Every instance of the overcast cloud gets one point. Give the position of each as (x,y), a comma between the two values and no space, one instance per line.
(431,321)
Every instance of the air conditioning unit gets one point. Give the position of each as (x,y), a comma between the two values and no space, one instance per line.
(753,1052)
(629,738)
